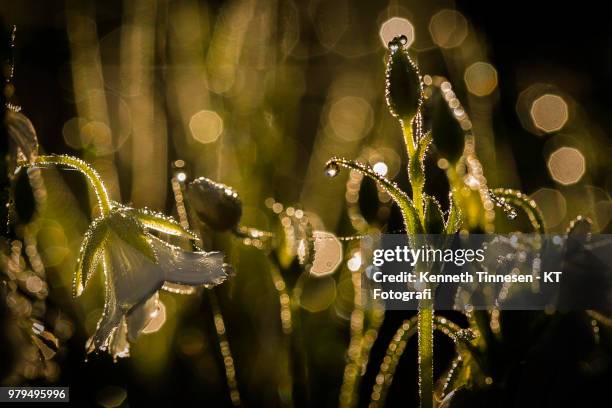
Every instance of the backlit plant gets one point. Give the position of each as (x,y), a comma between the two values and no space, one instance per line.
(136,263)
(422,213)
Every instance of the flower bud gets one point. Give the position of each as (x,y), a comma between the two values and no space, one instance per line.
(404,89)
(215,204)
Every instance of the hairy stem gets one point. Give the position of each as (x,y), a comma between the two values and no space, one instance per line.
(408,136)
(89,172)
(425,351)
(526,204)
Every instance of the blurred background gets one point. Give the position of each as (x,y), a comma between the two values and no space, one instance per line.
(259,95)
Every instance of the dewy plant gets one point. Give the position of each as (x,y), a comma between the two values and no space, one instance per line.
(422,213)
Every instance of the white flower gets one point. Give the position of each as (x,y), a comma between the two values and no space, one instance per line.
(136,265)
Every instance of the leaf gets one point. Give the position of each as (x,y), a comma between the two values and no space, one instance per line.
(434,218)
(90,254)
(416,166)
(162,223)
(409,213)
(453,221)
(404,89)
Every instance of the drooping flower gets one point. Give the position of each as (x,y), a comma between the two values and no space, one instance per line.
(136,265)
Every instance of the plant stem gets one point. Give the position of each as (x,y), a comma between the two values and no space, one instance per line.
(425,351)
(92,175)
(413,160)
(408,136)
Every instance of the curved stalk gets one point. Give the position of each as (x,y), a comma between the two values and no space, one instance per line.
(84,168)
(226,353)
(395,349)
(525,203)
(410,215)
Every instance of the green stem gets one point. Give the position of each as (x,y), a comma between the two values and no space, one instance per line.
(417,187)
(92,175)
(425,351)
(408,136)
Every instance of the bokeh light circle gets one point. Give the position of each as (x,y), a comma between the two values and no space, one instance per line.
(448,28)
(206,126)
(549,113)
(566,165)
(481,78)
(396,26)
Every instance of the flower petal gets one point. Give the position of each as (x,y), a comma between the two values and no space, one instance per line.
(189,268)
(141,315)
(90,254)
(134,277)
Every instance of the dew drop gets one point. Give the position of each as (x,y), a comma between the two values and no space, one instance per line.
(511,214)
(397,42)
(332,169)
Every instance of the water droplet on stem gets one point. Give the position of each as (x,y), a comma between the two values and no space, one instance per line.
(332,169)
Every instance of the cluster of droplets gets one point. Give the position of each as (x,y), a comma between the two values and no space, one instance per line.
(397,43)
(226,353)
(361,339)
(473,175)
(332,169)
(451,374)
(395,349)
(502,203)
(454,331)
(453,103)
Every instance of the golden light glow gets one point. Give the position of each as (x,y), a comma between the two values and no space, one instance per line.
(394,27)
(566,165)
(448,28)
(351,118)
(549,113)
(99,135)
(480,78)
(327,253)
(206,126)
